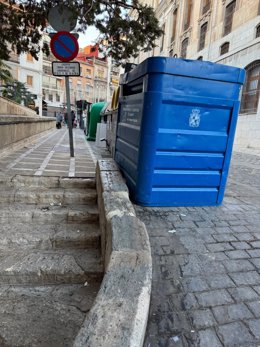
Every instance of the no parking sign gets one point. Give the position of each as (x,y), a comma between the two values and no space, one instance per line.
(64,46)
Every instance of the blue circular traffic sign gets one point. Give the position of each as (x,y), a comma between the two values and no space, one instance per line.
(64,46)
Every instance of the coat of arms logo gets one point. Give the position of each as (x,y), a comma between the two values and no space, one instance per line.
(194,120)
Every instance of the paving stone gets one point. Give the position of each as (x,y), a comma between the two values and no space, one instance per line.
(204,224)
(234,334)
(254,326)
(214,298)
(238,265)
(224,237)
(240,245)
(219,247)
(189,302)
(254,253)
(172,322)
(219,256)
(221,230)
(202,318)
(246,278)
(257,289)
(194,284)
(229,313)
(237,254)
(255,244)
(239,228)
(220,223)
(211,267)
(219,281)
(208,338)
(256,262)
(255,307)
(245,237)
(243,293)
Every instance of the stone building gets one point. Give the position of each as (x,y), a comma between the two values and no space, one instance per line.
(222,31)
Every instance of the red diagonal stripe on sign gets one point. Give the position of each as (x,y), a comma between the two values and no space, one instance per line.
(64,46)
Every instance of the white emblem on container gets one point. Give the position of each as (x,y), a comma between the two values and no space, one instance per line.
(194,120)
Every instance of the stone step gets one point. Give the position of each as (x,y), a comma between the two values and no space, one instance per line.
(47,182)
(45,236)
(44,315)
(49,213)
(52,196)
(50,267)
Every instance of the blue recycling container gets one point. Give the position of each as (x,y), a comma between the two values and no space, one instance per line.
(176,127)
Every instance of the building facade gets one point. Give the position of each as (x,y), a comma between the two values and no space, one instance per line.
(98,79)
(221,31)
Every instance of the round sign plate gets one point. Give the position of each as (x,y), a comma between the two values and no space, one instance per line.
(64,46)
(61,18)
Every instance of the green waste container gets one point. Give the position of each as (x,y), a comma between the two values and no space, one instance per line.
(94,118)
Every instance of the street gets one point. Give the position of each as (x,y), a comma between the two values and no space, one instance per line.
(206,265)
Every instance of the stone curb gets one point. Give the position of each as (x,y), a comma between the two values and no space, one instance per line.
(120,312)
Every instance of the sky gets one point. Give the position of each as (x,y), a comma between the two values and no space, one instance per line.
(89,37)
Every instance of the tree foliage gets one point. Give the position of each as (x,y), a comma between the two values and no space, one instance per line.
(5,74)
(17,91)
(126,26)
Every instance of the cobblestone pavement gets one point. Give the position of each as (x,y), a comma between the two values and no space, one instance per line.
(50,156)
(206,267)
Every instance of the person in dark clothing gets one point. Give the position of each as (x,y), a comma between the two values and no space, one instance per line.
(59,118)
(73,119)
(66,118)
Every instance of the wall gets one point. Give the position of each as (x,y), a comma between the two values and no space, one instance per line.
(8,107)
(20,125)
(248,131)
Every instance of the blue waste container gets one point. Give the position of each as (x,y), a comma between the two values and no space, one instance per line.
(176,127)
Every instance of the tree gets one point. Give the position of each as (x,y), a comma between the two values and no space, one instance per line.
(126,26)
(16,91)
(5,74)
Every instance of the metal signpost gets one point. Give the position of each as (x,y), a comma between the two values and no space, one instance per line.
(64,47)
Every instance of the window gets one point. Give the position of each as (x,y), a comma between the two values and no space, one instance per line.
(57,97)
(230,9)
(47,69)
(224,48)
(205,6)
(88,89)
(174,24)
(257,34)
(187,16)
(162,39)
(100,73)
(29,80)
(50,97)
(184,46)
(251,90)
(29,57)
(203,32)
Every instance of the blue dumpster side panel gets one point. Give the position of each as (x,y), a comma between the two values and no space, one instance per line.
(175,136)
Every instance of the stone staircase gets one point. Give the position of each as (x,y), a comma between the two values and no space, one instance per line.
(50,263)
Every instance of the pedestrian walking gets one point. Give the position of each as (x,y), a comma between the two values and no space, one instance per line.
(59,118)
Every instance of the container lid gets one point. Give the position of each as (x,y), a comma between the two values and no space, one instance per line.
(185,67)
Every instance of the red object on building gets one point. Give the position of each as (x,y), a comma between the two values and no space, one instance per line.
(91,51)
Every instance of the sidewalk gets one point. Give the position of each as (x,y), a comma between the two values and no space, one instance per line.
(50,156)
(206,267)
(206,260)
